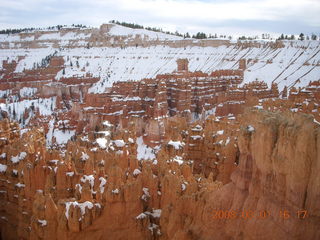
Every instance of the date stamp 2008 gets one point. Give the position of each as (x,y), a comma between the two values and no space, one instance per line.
(263,214)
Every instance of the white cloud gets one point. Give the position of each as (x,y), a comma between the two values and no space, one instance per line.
(306,10)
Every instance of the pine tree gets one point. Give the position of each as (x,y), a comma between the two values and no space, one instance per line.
(313,37)
(301,36)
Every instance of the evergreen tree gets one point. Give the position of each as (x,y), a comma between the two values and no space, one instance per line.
(313,37)
(187,35)
(301,36)
(200,35)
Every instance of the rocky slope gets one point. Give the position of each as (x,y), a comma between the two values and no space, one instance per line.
(115,53)
(236,180)
(118,132)
(85,76)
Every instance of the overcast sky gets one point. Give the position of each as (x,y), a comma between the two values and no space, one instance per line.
(211,16)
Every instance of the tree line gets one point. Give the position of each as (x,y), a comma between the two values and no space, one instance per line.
(301,37)
(57,27)
(199,35)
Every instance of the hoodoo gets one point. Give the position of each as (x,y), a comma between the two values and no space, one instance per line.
(128,133)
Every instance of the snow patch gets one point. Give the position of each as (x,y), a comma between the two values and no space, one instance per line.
(3,168)
(19,157)
(176,144)
(144,152)
(250,128)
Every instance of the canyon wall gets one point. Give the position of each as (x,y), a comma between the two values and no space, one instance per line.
(212,180)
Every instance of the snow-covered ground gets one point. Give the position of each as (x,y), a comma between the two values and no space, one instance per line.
(118,30)
(297,63)
(285,65)
(17,110)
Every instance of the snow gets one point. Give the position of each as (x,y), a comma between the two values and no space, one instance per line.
(89,178)
(116,64)
(84,156)
(103,182)
(78,186)
(210,112)
(176,144)
(144,152)
(178,159)
(27,92)
(250,128)
(220,132)
(82,207)
(43,223)
(54,161)
(102,142)
(315,121)
(5,93)
(118,30)
(156,213)
(20,185)
(63,136)
(152,227)
(227,141)
(197,128)
(50,133)
(195,137)
(112,64)
(50,36)
(69,174)
(141,216)
(19,157)
(3,168)
(258,107)
(3,155)
(146,194)
(119,143)
(136,172)
(115,191)
(16,110)
(107,124)
(119,152)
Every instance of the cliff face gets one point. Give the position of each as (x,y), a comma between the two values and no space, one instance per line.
(276,179)
(258,174)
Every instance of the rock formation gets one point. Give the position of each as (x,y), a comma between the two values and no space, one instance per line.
(179,141)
